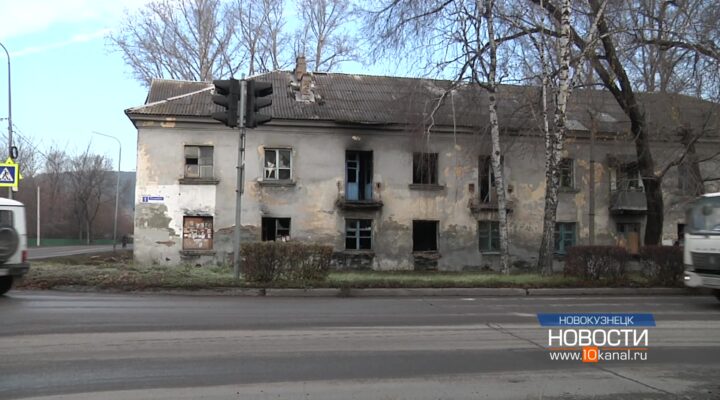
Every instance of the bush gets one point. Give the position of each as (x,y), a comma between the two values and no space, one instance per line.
(596,263)
(662,265)
(285,261)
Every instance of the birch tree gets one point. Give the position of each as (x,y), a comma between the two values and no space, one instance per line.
(461,40)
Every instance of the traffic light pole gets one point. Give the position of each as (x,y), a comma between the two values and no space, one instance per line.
(240,177)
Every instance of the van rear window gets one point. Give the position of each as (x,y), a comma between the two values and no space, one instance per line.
(6,218)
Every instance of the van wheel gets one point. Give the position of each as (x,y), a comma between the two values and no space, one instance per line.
(5,284)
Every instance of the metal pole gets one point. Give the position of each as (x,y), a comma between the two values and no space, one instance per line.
(10,125)
(591,183)
(37,231)
(240,178)
(117,187)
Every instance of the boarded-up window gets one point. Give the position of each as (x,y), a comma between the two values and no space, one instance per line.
(198,161)
(629,236)
(197,233)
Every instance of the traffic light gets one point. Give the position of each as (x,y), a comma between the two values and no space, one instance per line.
(257,98)
(227,94)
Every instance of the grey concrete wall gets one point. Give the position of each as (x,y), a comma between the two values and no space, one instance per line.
(319,175)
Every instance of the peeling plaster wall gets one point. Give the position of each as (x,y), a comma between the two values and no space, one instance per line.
(318,158)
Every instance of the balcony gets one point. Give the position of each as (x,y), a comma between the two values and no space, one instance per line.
(476,205)
(628,202)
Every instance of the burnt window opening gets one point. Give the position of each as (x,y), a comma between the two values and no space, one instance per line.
(198,161)
(358,234)
(425,235)
(567,173)
(486,180)
(629,178)
(425,168)
(278,164)
(359,175)
(274,229)
(489,236)
(197,233)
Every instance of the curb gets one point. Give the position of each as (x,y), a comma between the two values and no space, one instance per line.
(399,292)
(609,291)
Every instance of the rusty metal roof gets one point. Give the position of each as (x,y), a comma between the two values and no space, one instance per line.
(413,102)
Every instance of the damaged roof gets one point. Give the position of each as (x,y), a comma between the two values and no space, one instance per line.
(414,102)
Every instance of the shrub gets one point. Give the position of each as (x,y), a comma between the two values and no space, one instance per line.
(594,263)
(285,261)
(662,265)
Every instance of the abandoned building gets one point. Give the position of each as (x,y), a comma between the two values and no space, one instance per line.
(395,174)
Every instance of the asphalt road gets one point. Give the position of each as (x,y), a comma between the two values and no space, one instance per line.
(90,346)
(39,253)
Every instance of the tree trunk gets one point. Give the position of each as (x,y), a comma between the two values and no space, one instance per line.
(554,144)
(496,155)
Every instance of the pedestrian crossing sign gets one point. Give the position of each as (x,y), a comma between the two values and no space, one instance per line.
(9,174)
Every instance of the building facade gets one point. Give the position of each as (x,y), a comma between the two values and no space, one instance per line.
(394,173)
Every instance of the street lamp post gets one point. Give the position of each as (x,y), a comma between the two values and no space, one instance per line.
(117,186)
(10,138)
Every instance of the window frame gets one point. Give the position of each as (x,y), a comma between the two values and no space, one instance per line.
(199,161)
(569,171)
(359,233)
(561,229)
(489,233)
(425,168)
(276,169)
(276,228)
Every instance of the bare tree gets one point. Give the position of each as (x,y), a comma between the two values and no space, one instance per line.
(462,40)
(178,39)
(89,181)
(323,38)
(260,33)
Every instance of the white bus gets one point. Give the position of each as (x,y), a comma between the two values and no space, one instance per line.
(702,243)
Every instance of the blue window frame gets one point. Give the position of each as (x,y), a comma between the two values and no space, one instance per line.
(564,236)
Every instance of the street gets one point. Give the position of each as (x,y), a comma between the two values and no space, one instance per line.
(57,345)
(39,253)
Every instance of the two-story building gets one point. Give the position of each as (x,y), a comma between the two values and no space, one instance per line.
(394,172)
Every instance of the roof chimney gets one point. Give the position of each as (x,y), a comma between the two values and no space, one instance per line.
(300,67)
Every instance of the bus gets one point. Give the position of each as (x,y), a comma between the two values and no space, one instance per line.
(701,254)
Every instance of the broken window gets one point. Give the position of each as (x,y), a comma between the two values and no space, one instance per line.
(486,180)
(425,168)
(278,164)
(275,229)
(564,236)
(198,161)
(489,235)
(567,173)
(629,236)
(629,178)
(425,235)
(358,234)
(197,233)
(359,175)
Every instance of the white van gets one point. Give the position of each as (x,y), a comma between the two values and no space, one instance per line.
(13,243)
(702,243)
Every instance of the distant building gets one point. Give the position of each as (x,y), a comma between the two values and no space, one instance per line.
(346,161)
